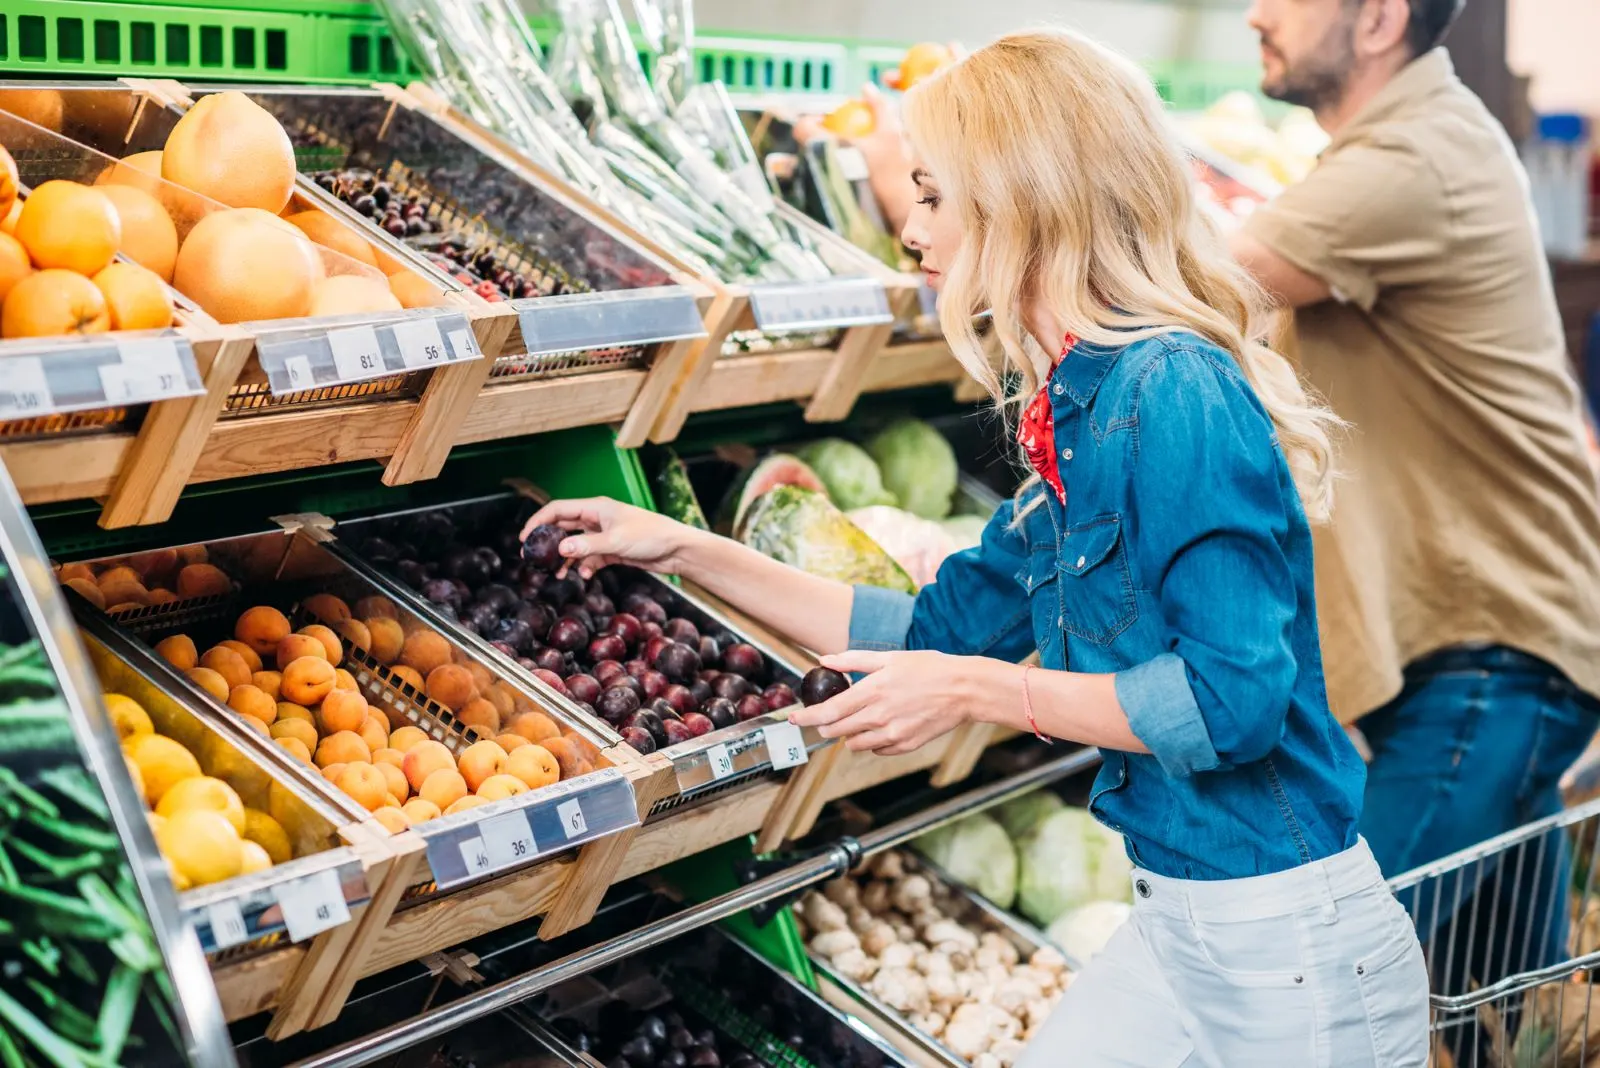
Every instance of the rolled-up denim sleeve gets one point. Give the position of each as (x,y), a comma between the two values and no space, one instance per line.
(1213,503)
(974,607)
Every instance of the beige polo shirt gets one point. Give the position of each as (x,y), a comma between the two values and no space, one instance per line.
(1468,511)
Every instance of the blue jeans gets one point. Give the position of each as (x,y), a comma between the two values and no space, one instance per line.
(1473,747)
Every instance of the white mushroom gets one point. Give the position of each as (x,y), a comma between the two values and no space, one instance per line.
(929,1023)
(823,915)
(943,990)
(898,955)
(901,989)
(1007,1052)
(842,892)
(949,932)
(888,866)
(1048,958)
(830,944)
(875,898)
(967,1034)
(1036,1012)
(911,894)
(859,919)
(854,964)
(986,1060)
(878,937)
(1046,981)
(903,930)
(1015,993)
(935,963)
(1001,946)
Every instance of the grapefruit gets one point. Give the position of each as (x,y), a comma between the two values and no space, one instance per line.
(54,302)
(229,148)
(64,224)
(247,264)
(135,297)
(329,232)
(42,107)
(148,236)
(14,265)
(346,294)
(414,291)
(9,180)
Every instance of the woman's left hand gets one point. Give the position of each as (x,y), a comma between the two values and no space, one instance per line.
(906,700)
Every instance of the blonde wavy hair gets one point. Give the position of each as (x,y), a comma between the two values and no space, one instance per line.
(1073,192)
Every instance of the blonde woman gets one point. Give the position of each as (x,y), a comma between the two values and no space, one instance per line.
(1159,560)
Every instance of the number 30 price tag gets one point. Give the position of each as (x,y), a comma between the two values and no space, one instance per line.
(507,839)
(420,343)
(721,762)
(313,905)
(356,353)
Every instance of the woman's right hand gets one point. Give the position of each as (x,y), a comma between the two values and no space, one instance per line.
(605,531)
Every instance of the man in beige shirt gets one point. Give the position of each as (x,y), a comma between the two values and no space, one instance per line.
(1458,584)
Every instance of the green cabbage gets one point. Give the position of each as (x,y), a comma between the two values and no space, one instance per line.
(1069,860)
(850,475)
(918,466)
(1084,932)
(976,853)
(1021,816)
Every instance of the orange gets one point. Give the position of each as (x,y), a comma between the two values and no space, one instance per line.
(423,759)
(481,761)
(444,788)
(261,628)
(10,182)
(135,297)
(148,236)
(347,294)
(71,226)
(365,783)
(850,120)
(231,149)
(54,302)
(245,264)
(414,291)
(14,262)
(329,232)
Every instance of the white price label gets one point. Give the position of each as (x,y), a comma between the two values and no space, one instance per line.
(313,905)
(149,369)
(420,343)
(571,816)
(356,354)
(298,368)
(507,839)
(785,746)
(24,390)
(721,762)
(474,856)
(464,345)
(227,924)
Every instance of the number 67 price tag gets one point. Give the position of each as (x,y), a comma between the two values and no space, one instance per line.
(313,905)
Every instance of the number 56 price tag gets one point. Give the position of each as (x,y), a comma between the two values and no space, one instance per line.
(313,905)
(420,343)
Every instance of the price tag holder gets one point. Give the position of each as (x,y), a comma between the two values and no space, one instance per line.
(821,305)
(508,840)
(421,345)
(24,390)
(570,813)
(312,905)
(298,368)
(721,763)
(356,353)
(149,369)
(474,856)
(227,924)
(785,746)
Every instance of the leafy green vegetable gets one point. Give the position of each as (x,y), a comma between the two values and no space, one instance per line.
(1070,860)
(976,852)
(918,466)
(849,473)
(1021,816)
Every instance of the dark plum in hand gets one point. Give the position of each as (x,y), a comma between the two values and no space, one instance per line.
(550,659)
(542,546)
(626,627)
(698,724)
(551,679)
(607,647)
(638,739)
(721,712)
(744,659)
(677,662)
(779,696)
(820,684)
(682,630)
(617,704)
(584,687)
(680,698)
(732,687)
(677,731)
(568,635)
(750,706)
(606,670)
(654,682)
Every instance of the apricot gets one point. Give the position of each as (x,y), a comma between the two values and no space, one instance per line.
(343,680)
(300,730)
(470,801)
(295,646)
(178,650)
(88,591)
(409,676)
(500,787)
(482,715)
(162,597)
(247,654)
(328,608)
(124,592)
(480,676)
(389,755)
(193,554)
(342,711)
(332,771)
(329,640)
(250,700)
(374,731)
(290,710)
(119,573)
(423,759)
(369,607)
(420,810)
(589,750)
(404,738)
(308,680)
(534,765)
(257,725)
(294,747)
(157,567)
(261,628)
(229,664)
(452,686)
(568,757)
(499,695)
(444,788)
(424,650)
(344,747)
(534,726)
(395,781)
(387,639)
(355,632)
(509,742)
(479,762)
(394,820)
(203,580)
(366,784)
(211,682)
(268,682)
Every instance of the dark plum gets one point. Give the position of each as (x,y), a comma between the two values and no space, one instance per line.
(561,591)
(654,1028)
(721,712)
(500,597)
(639,1052)
(411,573)
(682,630)
(462,590)
(698,724)
(732,687)
(550,679)
(617,704)
(599,604)
(535,615)
(581,614)
(542,546)
(379,551)
(508,546)
(514,632)
(706,1037)
(673,1058)
(710,651)
(744,659)
(506,649)
(677,662)
(653,647)
(568,635)
(466,565)
(629,683)
(700,691)
(550,659)
(704,1057)
(607,647)
(626,627)
(681,698)
(482,618)
(441,591)
(654,682)
(609,582)
(638,739)
(511,574)
(680,1038)
(663,708)
(750,706)
(708,675)
(432,531)
(606,670)
(532,582)
(778,696)
(650,722)
(649,629)
(635,667)
(584,687)
(490,559)
(820,684)
(526,662)
(677,731)
(649,611)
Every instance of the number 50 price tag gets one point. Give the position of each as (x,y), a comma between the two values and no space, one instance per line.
(785,746)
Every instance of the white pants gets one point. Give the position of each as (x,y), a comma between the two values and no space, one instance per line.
(1317,967)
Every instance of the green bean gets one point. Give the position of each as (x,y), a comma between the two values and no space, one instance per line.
(8,870)
(57,914)
(10,782)
(71,1022)
(44,953)
(57,868)
(76,834)
(76,785)
(116,1011)
(10,1055)
(57,1050)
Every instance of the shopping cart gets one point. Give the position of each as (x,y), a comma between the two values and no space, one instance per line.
(1511,932)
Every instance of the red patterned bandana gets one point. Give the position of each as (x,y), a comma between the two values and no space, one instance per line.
(1036,432)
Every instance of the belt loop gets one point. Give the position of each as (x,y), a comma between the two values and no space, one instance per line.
(1330,909)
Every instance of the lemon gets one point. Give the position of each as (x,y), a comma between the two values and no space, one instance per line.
(252,858)
(203,794)
(180,881)
(201,845)
(156,822)
(162,763)
(128,716)
(133,773)
(267,833)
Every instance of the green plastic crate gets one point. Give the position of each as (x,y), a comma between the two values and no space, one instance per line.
(272,40)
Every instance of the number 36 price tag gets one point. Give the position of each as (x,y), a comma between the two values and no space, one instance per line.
(507,839)
(313,905)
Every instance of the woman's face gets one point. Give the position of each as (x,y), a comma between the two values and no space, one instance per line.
(932,229)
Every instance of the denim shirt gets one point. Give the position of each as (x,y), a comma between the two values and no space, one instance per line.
(1180,563)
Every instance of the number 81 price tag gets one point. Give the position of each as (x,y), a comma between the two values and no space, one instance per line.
(356,353)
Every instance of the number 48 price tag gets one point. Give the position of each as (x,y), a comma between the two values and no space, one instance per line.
(313,905)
